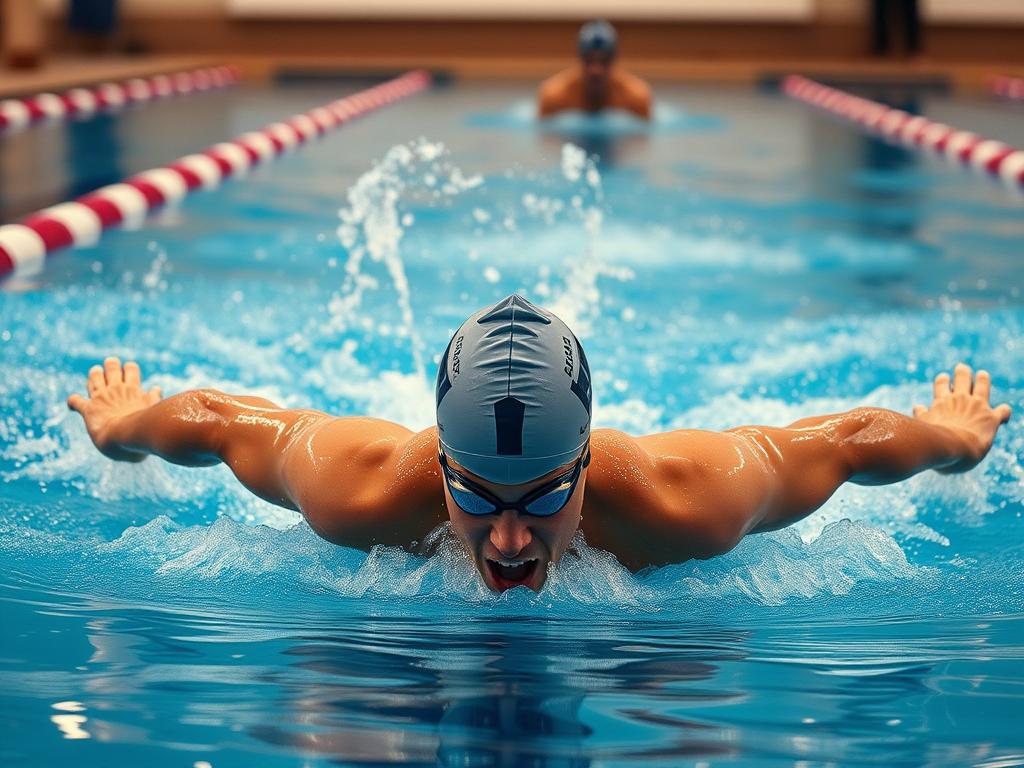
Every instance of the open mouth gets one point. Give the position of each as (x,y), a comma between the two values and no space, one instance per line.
(511,573)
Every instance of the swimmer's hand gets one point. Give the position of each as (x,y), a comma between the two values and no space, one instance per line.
(965,409)
(115,391)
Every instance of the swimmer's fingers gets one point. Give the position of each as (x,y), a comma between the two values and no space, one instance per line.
(940,388)
(920,409)
(962,377)
(96,380)
(983,385)
(132,374)
(112,371)
(77,403)
(1003,412)
(154,395)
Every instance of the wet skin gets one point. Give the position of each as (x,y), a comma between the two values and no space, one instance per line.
(648,500)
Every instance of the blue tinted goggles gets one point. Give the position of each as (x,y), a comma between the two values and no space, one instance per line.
(545,501)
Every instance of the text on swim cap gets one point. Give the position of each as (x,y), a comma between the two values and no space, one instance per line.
(455,356)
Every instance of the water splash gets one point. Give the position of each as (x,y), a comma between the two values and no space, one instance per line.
(372,225)
(260,566)
(772,569)
(578,301)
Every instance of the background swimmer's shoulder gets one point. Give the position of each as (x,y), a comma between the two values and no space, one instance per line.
(554,92)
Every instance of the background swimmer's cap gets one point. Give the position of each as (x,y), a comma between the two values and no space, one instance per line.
(513,393)
(598,36)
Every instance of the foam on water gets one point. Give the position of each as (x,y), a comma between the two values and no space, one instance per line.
(259,568)
(371,225)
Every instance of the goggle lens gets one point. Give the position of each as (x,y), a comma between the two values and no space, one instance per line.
(477,501)
(550,503)
(468,501)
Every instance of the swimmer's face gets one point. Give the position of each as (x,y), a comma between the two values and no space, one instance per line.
(596,69)
(510,549)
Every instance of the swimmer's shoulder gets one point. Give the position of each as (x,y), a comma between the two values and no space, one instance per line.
(559,92)
(633,83)
(632,93)
(372,482)
(646,499)
(560,81)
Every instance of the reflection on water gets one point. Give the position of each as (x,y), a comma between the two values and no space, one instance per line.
(608,148)
(892,196)
(504,694)
(223,687)
(94,154)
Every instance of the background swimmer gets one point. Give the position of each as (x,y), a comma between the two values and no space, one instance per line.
(596,83)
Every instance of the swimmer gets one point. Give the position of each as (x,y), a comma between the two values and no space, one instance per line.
(512,462)
(596,83)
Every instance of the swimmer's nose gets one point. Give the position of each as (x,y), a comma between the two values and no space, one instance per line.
(509,534)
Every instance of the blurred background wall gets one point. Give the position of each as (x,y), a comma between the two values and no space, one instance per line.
(529,37)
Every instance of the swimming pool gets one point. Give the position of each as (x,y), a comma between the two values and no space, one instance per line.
(746,260)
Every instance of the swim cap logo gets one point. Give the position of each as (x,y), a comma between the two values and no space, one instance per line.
(455,356)
(581,387)
(567,348)
(444,384)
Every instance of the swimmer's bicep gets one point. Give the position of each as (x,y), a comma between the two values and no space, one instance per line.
(801,469)
(547,103)
(254,441)
(640,99)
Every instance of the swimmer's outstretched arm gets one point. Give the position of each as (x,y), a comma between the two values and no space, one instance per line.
(350,477)
(707,490)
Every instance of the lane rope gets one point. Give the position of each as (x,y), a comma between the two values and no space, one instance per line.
(963,147)
(25,246)
(1008,87)
(18,114)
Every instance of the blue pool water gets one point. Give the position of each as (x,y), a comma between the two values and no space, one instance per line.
(746,261)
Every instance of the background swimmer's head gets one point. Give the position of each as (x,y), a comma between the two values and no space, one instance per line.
(513,412)
(597,46)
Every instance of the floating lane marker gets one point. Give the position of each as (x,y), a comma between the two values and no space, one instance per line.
(16,114)
(24,246)
(1008,87)
(963,147)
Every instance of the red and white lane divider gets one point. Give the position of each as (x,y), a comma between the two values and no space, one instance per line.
(24,246)
(992,157)
(16,114)
(1008,87)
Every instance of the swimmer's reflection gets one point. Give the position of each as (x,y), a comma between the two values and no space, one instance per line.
(610,148)
(892,210)
(94,154)
(491,699)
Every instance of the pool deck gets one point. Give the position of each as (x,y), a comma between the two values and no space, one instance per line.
(61,73)
(66,72)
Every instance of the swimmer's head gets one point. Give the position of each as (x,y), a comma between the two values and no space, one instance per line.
(513,416)
(597,46)
(597,37)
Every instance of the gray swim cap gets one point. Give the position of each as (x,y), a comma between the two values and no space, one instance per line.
(597,36)
(513,393)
